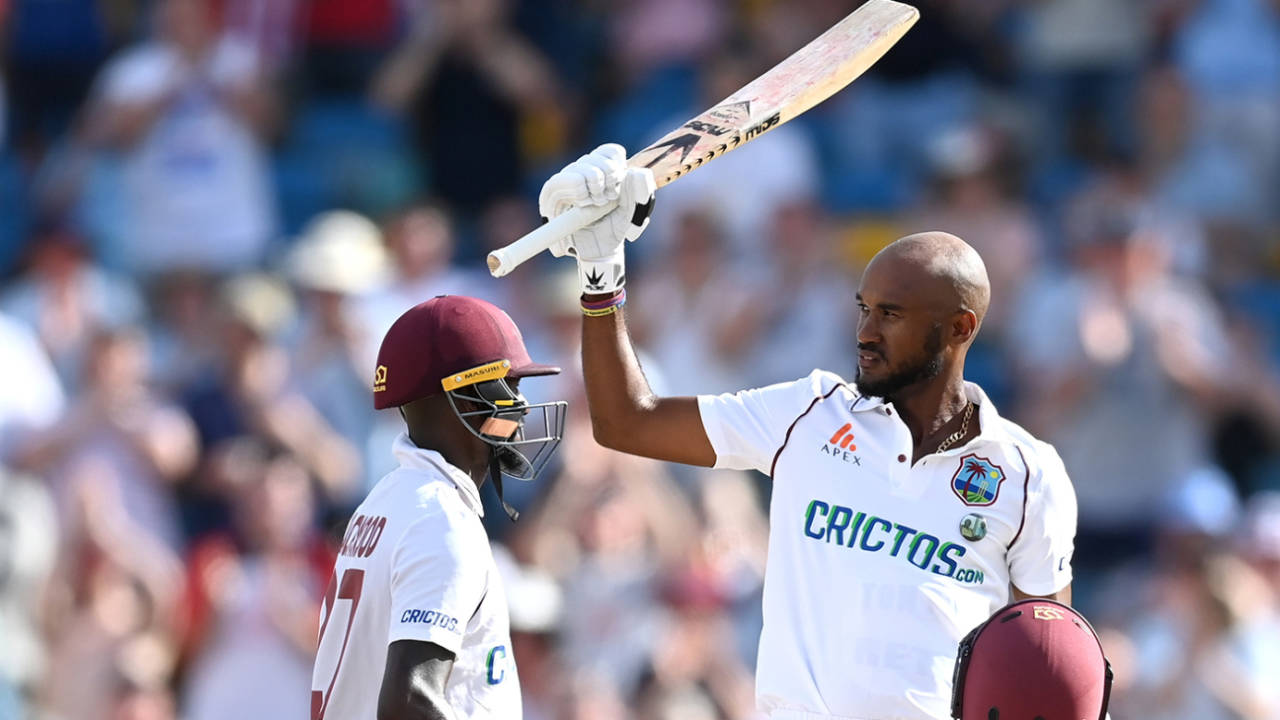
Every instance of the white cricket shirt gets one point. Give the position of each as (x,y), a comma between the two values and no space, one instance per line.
(415,564)
(871,582)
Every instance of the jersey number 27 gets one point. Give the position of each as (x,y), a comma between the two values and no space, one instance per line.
(350,587)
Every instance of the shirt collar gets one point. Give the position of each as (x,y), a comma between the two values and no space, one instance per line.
(416,458)
(990,424)
(991,427)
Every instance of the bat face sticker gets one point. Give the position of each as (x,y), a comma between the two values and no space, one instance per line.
(807,77)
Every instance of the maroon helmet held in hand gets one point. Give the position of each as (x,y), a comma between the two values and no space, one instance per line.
(1032,660)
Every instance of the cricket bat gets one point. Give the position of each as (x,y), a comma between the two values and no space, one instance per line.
(810,75)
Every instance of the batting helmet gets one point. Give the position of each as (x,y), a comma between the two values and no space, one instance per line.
(1032,660)
(444,336)
(471,351)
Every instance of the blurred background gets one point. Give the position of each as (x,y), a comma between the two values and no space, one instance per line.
(211,210)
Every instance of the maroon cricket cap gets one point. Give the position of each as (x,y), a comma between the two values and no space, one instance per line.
(443,336)
(1035,659)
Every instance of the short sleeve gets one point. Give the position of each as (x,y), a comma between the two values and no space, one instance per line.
(438,578)
(1040,557)
(746,428)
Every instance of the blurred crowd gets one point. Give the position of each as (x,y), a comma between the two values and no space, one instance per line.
(211,210)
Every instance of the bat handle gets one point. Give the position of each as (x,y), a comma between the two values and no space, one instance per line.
(505,259)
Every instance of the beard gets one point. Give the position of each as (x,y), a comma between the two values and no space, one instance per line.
(925,366)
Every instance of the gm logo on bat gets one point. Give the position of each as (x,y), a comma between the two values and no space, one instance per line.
(686,142)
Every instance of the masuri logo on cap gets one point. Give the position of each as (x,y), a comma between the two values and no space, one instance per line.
(489,371)
(380,379)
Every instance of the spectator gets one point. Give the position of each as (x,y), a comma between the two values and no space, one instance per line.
(183,310)
(653,34)
(66,299)
(921,88)
(466,78)
(421,243)
(254,599)
(137,443)
(1081,59)
(690,675)
(1209,649)
(1196,172)
(112,605)
(1116,355)
(734,545)
(803,298)
(339,261)
(970,196)
(188,112)
(610,594)
(537,613)
(252,393)
(102,643)
(1229,52)
(693,348)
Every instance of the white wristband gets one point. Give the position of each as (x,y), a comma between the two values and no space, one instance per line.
(602,276)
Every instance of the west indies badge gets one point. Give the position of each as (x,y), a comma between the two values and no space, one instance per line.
(977,480)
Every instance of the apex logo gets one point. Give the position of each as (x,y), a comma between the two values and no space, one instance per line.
(843,437)
(841,445)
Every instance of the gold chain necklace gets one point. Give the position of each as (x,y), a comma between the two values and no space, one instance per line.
(964,428)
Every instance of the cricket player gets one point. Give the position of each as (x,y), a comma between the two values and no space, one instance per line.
(414,624)
(904,509)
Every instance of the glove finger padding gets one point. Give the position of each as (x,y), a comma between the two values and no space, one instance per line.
(562,191)
(638,192)
(595,179)
(611,162)
(600,178)
(612,153)
(601,260)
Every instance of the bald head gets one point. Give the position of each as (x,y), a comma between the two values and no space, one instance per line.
(921,302)
(945,270)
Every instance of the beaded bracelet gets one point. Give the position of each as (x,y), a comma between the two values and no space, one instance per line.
(608,306)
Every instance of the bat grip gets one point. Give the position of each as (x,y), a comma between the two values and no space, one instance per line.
(505,259)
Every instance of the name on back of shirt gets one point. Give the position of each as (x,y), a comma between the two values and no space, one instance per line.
(362,536)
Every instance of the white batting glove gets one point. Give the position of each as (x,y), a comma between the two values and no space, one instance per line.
(600,178)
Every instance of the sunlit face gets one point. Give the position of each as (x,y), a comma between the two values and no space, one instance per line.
(900,336)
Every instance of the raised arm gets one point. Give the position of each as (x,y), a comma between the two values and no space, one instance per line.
(625,414)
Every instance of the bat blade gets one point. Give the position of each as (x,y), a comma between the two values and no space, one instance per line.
(810,75)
